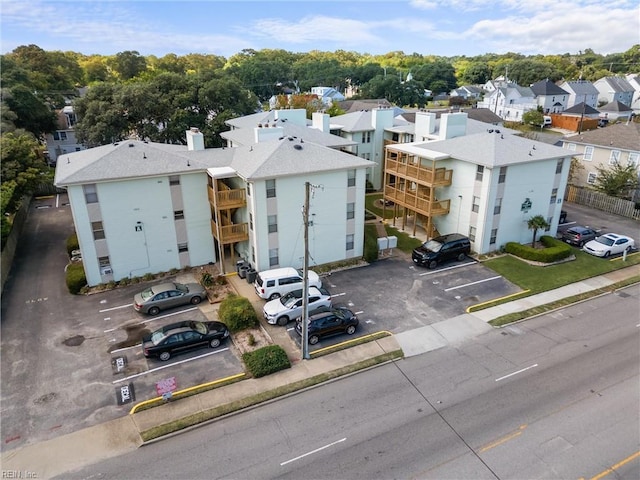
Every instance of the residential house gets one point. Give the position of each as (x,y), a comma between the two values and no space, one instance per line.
(581,91)
(493,85)
(486,185)
(549,96)
(612,89)
(468,92)
(603,147)
(63,139)
(328,95)
(616,111)
(634,81)
(141,207)
(510,102)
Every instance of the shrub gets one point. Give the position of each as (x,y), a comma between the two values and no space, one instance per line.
(124,281)
(206,280)
(148,276)
(266,360)
(370,243)
(237,313)
(76,278)
(554,250)
(72,244)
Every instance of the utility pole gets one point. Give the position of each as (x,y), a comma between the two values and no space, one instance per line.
(305,274)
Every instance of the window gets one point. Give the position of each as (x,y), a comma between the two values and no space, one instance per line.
(183,247)
(494,235)
(174,180)
(588,153)
(548,227)
(472,234)
(272,220)
(475,207)
(502,175)
(351,178)
(559,166)
(104,262)
(273,257)
(250,221)
(498,206)
(351,210)
(59,135)
(98,230)
(614,157)
(90,193)
(178,215)
(350,240)
(248,189)
(271,188)
(366,137)
(571,146)
(591,178)
(554,196)
(479,173)
(633,159)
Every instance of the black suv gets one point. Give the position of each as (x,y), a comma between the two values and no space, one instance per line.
(335,321)
(439,249)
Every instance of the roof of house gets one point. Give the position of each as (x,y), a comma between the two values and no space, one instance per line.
(367,104)
(618,84)
(246,136)
(581,109)
(624,136)
(489,149)
(131,159)
(547,87)
(580,87)
(615,107)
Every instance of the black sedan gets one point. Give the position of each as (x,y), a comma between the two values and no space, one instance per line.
(182,336)
(334,322)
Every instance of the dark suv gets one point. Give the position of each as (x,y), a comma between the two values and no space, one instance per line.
(440,249)
(578,235)
(335,321)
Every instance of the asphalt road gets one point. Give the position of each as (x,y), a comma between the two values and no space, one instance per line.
(554,397)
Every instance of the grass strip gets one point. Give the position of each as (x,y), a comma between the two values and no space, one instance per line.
(210,414)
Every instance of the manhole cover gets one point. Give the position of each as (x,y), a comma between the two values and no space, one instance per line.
(74,341)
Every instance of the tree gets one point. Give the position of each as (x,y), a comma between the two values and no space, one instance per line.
(475,74)
(617,180)
(128,64)
(438,76)
(533,117)
(31,113)
(536,223)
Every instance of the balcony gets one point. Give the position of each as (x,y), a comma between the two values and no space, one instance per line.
(227,198)
(416,201)
(438,177)
(230,233)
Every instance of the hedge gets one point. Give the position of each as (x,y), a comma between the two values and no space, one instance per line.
(76,278)
(554,250)
(266,360)
(237,313)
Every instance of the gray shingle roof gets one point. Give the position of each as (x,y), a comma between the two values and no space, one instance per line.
(620,135)
(581,109)
(580,87)
(547,87)
(615,107)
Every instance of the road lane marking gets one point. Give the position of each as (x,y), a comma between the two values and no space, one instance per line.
(515,373)
(448,268)
(167,366)
(472,283)
(159,317)
(504,439)
(616,466)
(313,451)
(115,308)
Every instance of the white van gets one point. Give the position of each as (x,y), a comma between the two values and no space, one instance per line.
(547,121)
(272,284)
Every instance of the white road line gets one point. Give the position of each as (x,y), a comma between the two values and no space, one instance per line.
(115,308)
(169,315)
(338,294)
(125,348)
(167,366)
(358,312)
(110,330)
(515,373)
(313,451)
(472,283)
(448,268)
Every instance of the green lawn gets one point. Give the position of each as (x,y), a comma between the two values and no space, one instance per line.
(369,201)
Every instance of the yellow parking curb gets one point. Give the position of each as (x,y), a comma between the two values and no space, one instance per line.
(350,341)
(470,307)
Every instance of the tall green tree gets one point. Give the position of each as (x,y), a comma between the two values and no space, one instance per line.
(617,180)
(128,64)
(31,114)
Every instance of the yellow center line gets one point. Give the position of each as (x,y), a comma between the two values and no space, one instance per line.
(616,466)
(504,439)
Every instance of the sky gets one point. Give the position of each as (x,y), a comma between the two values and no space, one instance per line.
(428,27)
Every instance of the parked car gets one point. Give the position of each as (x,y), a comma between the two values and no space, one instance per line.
(579,235)
(334,322)
(289,307)
(272,284)
(183,336)
(440,249)
(167,295)
(609,244)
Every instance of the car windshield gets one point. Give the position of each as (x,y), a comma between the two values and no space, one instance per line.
(199,327)
(157,337)
(605,241)
(146,294)
(289,301)
(433,246)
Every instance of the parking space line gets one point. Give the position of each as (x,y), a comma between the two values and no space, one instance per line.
(169,365)
(519,371)
(169,315)
(126,348)
(472,283)
(448,268)
(115,308)
(338,294)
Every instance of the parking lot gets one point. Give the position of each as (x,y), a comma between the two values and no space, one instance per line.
(69,362)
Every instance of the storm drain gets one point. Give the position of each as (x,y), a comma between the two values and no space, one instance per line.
(74,341)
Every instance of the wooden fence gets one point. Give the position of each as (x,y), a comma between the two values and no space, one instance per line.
(600,201)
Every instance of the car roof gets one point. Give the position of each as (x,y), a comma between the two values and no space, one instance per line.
(450,237)
(578,228)
(163,287)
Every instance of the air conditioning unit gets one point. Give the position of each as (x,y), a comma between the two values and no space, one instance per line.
(106,271)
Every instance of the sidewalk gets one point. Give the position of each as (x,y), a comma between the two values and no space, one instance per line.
(84,447)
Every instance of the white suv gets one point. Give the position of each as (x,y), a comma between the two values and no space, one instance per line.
(289,307)
(275,283)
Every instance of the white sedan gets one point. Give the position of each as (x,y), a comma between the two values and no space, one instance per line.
(289,307)
(609,244)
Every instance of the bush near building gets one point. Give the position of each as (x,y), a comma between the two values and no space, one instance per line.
(76,278)
(237,313)
(266,360)
(554,250)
